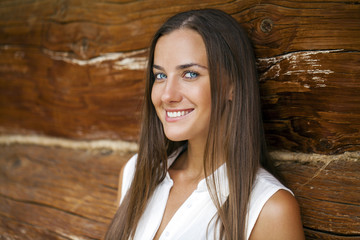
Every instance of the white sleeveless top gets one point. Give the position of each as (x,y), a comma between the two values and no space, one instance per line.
(195,217)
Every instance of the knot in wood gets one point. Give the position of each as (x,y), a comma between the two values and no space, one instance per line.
(266,25)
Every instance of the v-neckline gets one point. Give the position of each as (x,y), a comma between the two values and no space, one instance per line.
(201,187)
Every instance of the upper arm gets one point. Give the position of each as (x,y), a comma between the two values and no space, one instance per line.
(279,219)
(120,185)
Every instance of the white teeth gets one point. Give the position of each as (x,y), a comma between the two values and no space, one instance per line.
(177,114)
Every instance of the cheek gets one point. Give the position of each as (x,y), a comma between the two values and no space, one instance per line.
(155,101)
(155,97)
(204,95)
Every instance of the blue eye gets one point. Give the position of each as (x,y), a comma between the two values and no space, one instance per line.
(160,76)
(191,75)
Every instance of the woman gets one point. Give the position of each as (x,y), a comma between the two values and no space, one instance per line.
(199,173)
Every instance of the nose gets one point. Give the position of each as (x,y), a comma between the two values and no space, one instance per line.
(172,91)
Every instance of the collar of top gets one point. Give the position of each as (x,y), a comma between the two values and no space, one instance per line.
(218,180)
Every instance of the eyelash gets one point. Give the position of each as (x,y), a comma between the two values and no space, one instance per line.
(190,72)
(161,76)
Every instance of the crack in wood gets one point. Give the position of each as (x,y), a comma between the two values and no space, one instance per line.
(134,63)
(313,199)
(314,176)
(124,60)
(24,231)
(293,56)
(125,146)
(314,157)
(331,233)
(46,206)
(310,66)
(115,145)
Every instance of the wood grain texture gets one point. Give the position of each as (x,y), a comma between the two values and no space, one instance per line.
(75,69)
(56,193)
(59,193)
(329,196)
(313,105)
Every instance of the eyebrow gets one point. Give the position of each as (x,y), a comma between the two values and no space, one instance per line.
(183,66)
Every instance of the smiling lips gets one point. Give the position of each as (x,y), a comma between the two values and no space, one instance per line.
(178,113)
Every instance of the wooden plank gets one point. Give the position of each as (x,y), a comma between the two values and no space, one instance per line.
(315,235)
(14,229)
(88,29)
(302,26)
(79,188)
(66,99)
(57,192)
(312,106)
(74,69)
(54,222)
(328,194)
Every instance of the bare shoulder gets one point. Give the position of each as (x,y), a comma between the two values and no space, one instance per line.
(279,219)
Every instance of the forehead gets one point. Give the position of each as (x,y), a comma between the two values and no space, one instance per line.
(180,46)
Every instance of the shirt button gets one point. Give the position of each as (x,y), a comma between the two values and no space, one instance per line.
(167,234)
(189,205)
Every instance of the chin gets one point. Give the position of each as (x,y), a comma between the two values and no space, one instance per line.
(175,137)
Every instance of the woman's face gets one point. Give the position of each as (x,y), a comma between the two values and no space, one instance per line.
(181,91)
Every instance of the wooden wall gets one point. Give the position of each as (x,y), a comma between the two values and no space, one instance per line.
(74,70)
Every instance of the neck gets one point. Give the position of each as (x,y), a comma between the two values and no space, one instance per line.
(195,156)
(191,161)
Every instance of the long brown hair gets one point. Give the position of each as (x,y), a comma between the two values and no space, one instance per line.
(235,135)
